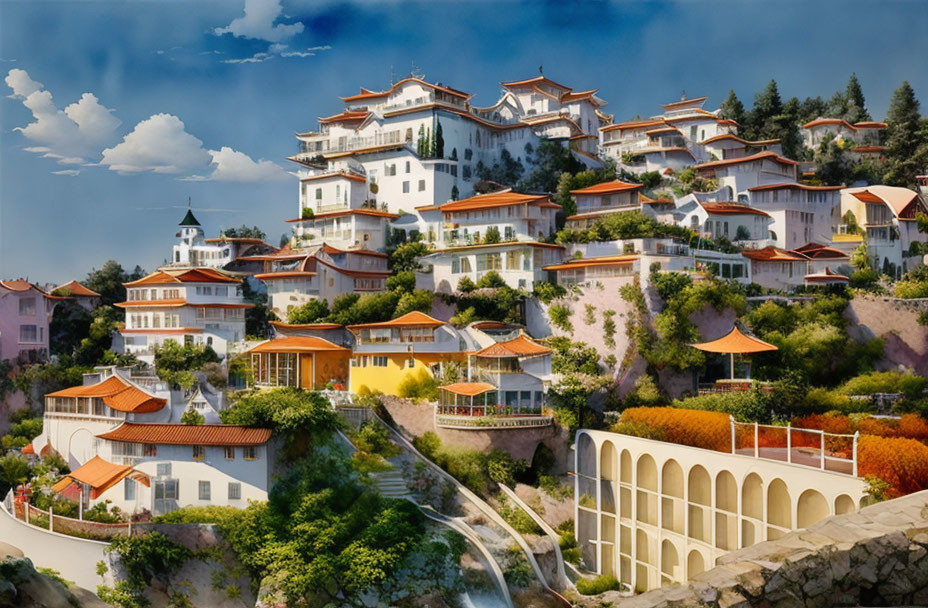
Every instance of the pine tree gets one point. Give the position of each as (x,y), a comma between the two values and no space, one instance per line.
(767,106)
(856,104)
(732,108)
(811,108)
(906,142)
(837,106)
(788,127)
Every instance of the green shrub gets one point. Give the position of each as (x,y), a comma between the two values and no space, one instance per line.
(198,515)
(600,584)
(374,438)
(152,555)
(516,517)
(403,281)
(363,462)
(503,468)
(418,385)
(746,406)
(909,385)
(590,316)
(492,235)
(553,488)
(466,285)
(560,317)
(609,328)
(546,292)
(192,417)
(518,572)
(572,357)
(491,280)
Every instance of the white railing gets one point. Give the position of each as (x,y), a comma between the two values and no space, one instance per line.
(491,422)
(813,448)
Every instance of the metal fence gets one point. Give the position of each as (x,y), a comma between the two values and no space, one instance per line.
(807,447)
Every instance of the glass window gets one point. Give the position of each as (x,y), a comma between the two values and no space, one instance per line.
(129,489)
(199,452)
(27,307)
(421,185)
(235,490)
(230,453)
(164,469)
(204,490)
(250,452)
(28,333)
(405,187)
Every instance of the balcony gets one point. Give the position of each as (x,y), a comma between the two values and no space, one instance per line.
(480,423)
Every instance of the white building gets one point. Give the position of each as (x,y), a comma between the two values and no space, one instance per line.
(736,176)
(866,134)
(741,224)
(800,213)
(597,201)
(418,143)
(196,306)
(194,250)
(519,222)
(296,276)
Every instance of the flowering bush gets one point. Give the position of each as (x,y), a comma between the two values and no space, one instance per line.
(902,463)
(699,429)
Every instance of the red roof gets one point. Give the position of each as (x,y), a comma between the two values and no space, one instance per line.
(815,251)
(771,254)
(175,303)
(192,275)
(75,289)
(188,434)
(468,389)
(116,393)
(608,187)
(684,103)
(296,344)
(729,136)
(517,347)
(335,251)
(731,209)
(793,186)
(410,319)
(747,159)
(503,198)
(534,81)
(345,174)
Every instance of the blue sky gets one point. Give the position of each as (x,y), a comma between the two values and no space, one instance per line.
(114,113)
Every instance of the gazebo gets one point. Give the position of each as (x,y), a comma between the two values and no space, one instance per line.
(735,343)
(462,397)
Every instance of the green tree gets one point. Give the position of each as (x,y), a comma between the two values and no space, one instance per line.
(811,108)
(405,257)
(856,104)
(14,470)
(259,316)
(192,417)
(732,108)
(175,364)
(492,235)
(108,281)
(767,107)
(550,159)
(506,170)
(438,146)
(244,232)
(310,312)
(421,142)
(906,141)
(832,164)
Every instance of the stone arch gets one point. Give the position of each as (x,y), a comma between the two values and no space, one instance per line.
(586,455)
(625,467)
(844,504)
(608,461)
(646,473)
(726,492)
(700,486)
(811,508)
(779,505)
(695,564)
(670,560)
(672,479)
(752,497)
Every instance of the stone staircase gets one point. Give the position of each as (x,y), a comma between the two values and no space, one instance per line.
(391,484)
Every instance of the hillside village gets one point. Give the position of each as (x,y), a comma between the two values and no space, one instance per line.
(521,354)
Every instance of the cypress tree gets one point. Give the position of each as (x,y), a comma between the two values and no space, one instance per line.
(732,108)
(438,146)
(906,145)
(420,143)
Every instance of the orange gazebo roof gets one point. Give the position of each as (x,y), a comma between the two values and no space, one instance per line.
(735,342)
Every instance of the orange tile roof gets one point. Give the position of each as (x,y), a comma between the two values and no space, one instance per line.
(410,319)
(163,330)
(827,277)
(369,274)
(517,347)
(116,393)
(735,342)
(176,303)
(188,434)
(283,325)
(346,116)
(747,159)
(684,102)
(274,276)
(503,198)
(870,124)
(191,275)
(368,94)
(468,389)
(237,239)
(827,121)
(731,209)
(533,81)
(667,129)
(793,186)
(297,344)
(100,475)
(76,289)
(335,251)
(816,251)
(725,136)
(608,260)
(331,214)
(632,124)
(771,254)
(608,187)
(345,174)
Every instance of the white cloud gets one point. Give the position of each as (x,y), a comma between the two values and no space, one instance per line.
(68,136)
(256,58)
(258,22)
(297,54)
(68,172)
(23,86)
(159,144)
(234,166)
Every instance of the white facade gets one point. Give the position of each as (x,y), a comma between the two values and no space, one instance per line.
(738,175)
(519,264)
(801,214)
(862,133)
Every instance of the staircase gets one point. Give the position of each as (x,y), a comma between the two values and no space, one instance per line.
(391,484)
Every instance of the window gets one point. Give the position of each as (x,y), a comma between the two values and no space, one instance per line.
(250,452)
(27,307)
(407,167)
(164,469)
(167,490)
(150,451)
(204,490)
(405,187)
(199,452)
(318,194)
(28,334)
(129,489)
(379,361)
(421,185)
(230,453)
(235,490)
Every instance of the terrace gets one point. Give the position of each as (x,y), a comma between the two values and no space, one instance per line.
(479,405)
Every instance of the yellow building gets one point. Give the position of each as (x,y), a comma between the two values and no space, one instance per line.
(389,352)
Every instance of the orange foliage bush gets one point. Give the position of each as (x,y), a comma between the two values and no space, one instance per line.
(823,422)
(695,428)
(909,426)
(902,463)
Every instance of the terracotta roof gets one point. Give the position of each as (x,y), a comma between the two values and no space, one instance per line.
(410,319)
(747,159)
(335,251)
(684,102)
(188,434)
(190,275)
(468,389)
(793,186)
(370,150)
(517,347)
(827,121)
(868,149)
(532,81)
(816,251)
(632,124)
(667,129)
(902,201)
(729,136)
(827,277)
(368,94)
(237,239)
(481,325)
(503,198)
(370,274)
(346,116)
(731,209)
(283,325)
(297,344)
(330,214)
(609,260)
(345,174)
(771,254)
(735,342)
(116,393)
(608,187)
(100,475)
(28,449)
(654,201)
(75,289)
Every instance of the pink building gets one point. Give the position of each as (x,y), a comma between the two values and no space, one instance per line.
(25,312)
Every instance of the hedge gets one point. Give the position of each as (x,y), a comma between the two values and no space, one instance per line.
(908,426)
(695,428)
(902,463)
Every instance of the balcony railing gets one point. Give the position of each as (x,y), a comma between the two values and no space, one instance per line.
(491,422)
(806,447)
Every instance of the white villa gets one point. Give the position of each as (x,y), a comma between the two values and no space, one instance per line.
(737,175)
(521,222)
(196,306)
(597,201)
(194,250)
(800,213)
(864,134)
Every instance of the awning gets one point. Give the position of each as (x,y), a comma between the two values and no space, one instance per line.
(100,475)
(468,389)
(735,342)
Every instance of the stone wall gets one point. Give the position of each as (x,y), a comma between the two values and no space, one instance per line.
(877,557)
(895,321)
(415,419)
